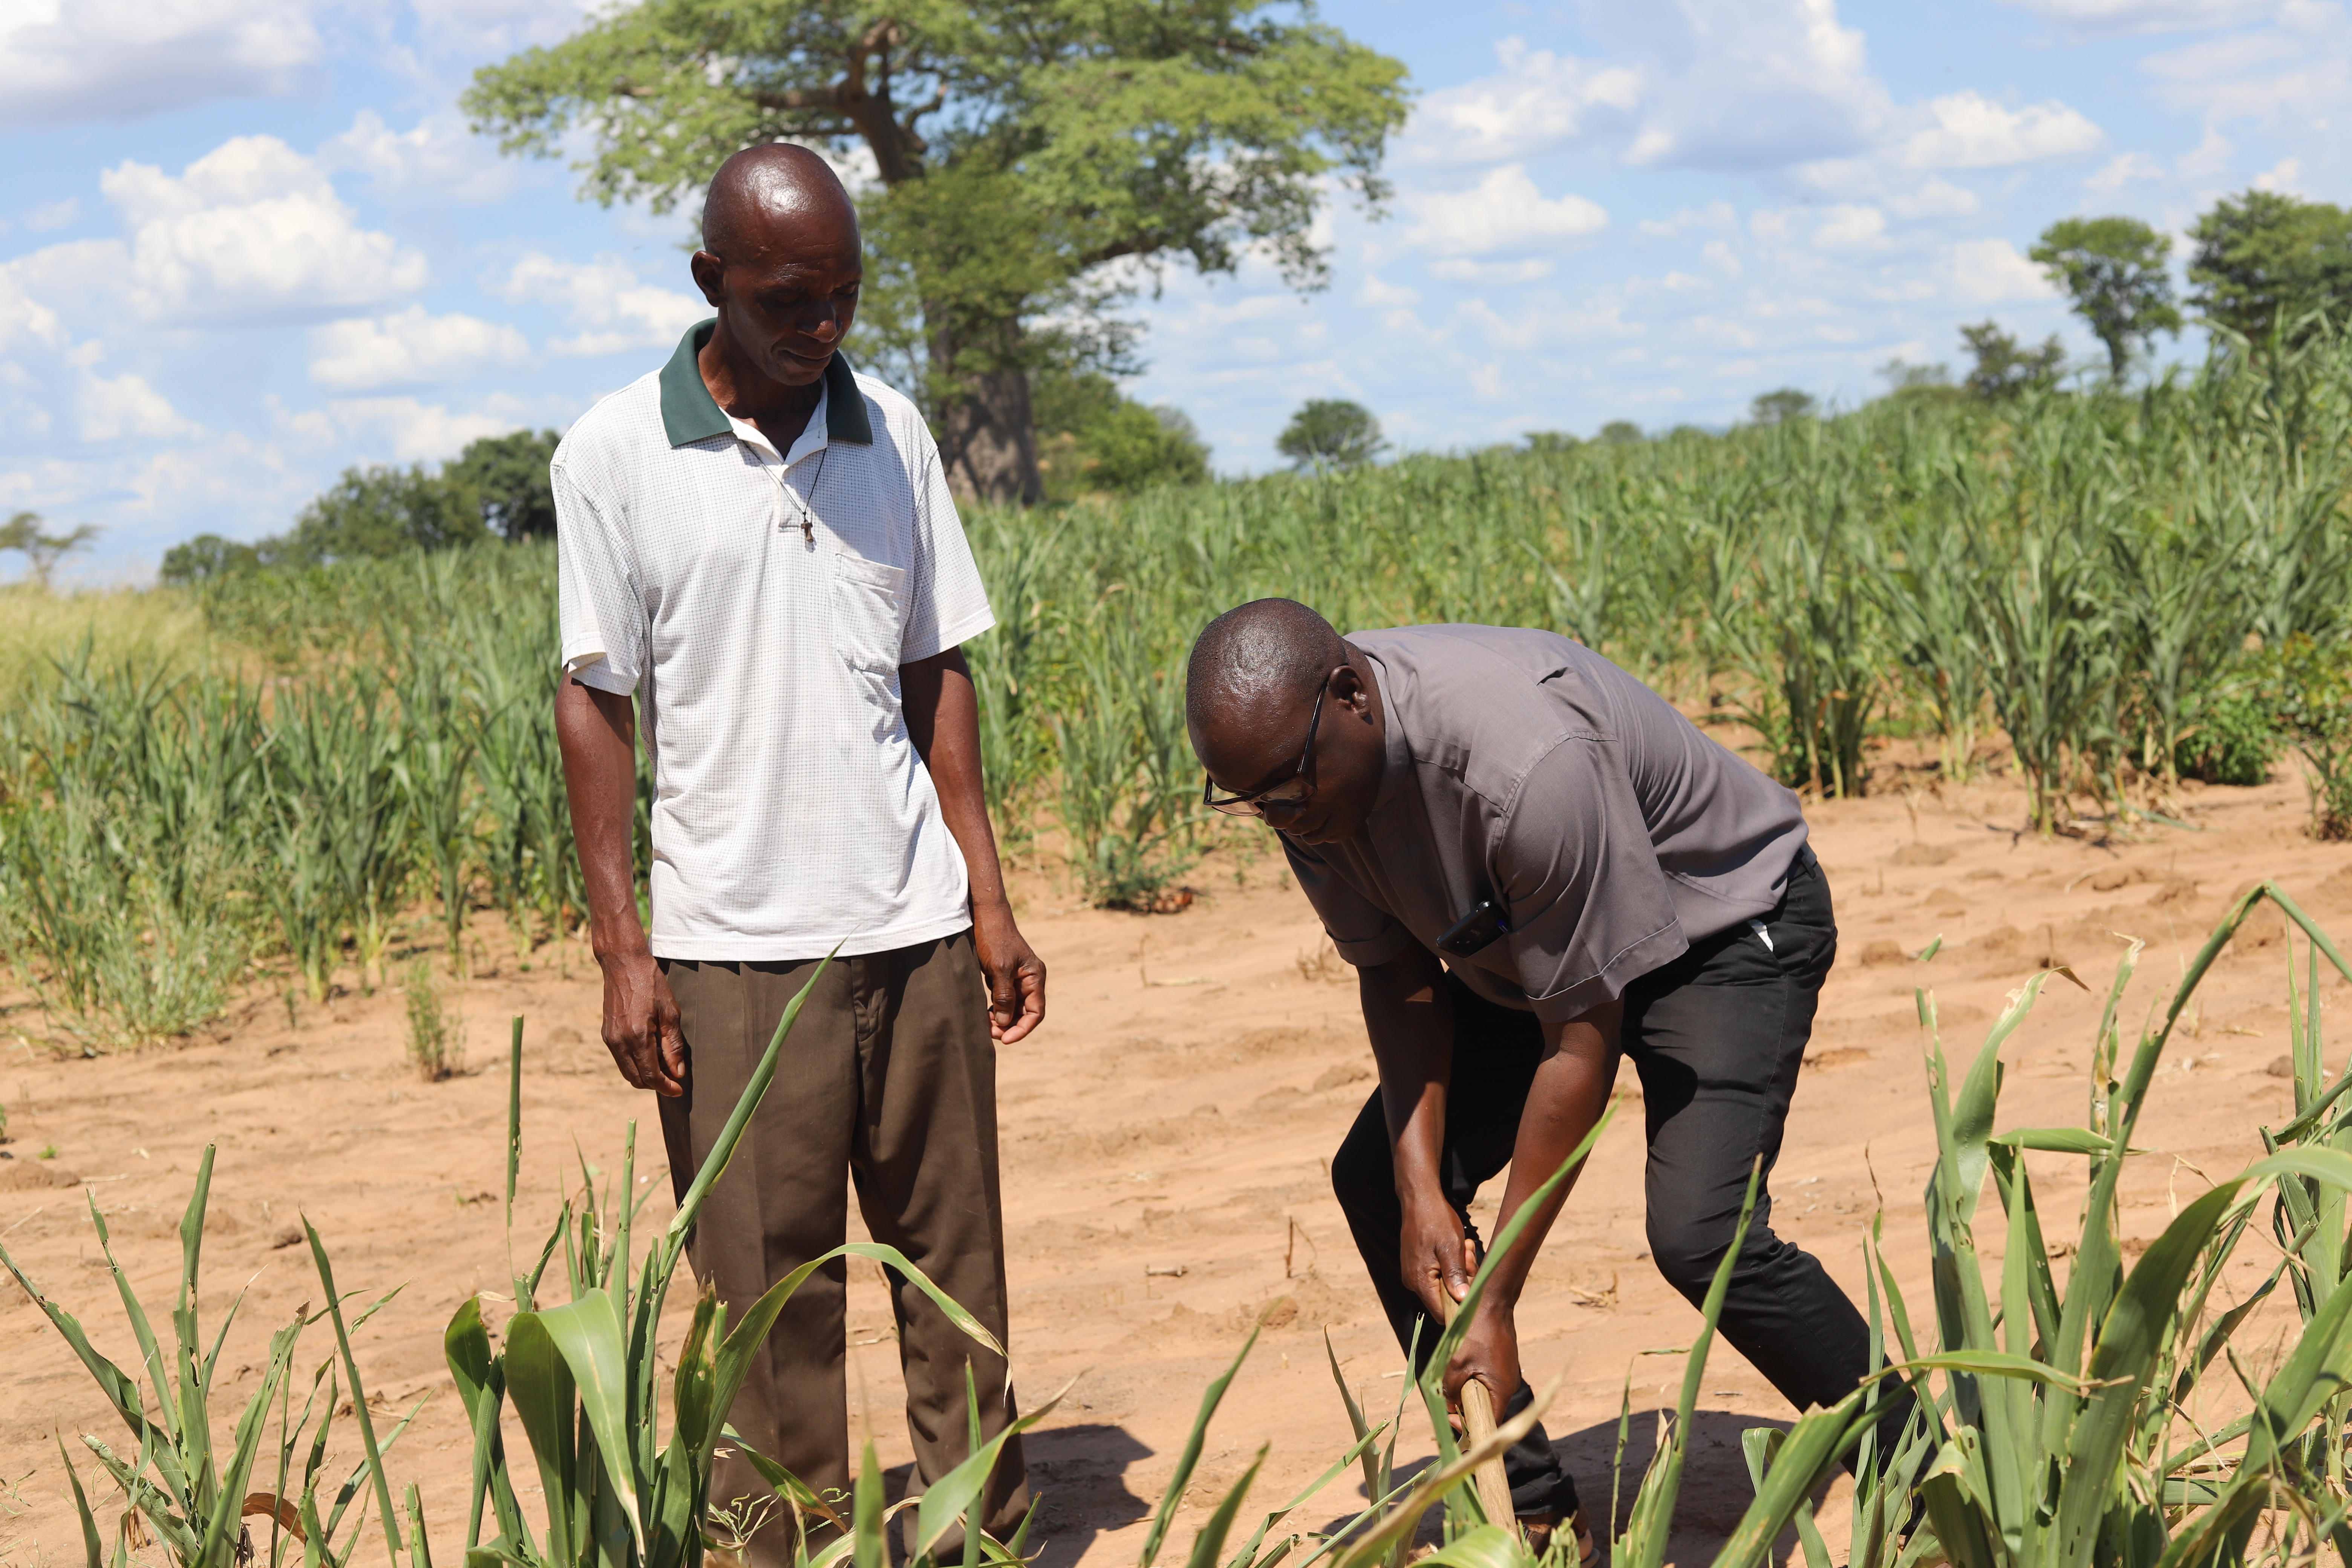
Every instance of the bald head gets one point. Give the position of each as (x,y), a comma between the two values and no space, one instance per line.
(1273,693)
(1267,653)
(764,194)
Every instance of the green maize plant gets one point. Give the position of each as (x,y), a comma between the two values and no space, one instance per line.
(1010,666)
(2061,1435)
(533,873)
(1805,634)
(193,1490)
(343,828)
(118,856)
(582,1379)
(434,771)
(1128,779)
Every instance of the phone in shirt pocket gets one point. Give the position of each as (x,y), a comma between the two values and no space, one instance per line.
(869,611)
(1475,931)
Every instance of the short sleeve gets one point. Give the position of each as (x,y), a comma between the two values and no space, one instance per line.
(600,609)
(946,601)
(1589,907)
(1365,934)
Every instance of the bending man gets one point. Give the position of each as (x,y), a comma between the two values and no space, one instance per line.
(1536,864)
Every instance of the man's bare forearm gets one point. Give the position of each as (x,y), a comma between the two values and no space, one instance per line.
(1571,1088)
(944,721)
(1411,1030)
(596,732)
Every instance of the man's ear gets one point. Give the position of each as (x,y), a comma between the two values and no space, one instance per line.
(709,276)
(1348,685)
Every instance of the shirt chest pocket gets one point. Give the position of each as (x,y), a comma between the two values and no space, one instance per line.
(869,612)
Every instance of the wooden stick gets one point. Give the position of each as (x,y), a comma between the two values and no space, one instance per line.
(1477,1426)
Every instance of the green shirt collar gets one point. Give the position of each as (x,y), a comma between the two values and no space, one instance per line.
(690,414)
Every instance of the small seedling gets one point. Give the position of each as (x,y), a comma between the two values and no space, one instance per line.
(436,1048)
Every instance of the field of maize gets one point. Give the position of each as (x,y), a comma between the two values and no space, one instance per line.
(2097,595)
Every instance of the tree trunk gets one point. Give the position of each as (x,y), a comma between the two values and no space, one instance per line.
(987,436)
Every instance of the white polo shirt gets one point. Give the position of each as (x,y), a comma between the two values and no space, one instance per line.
(760,606)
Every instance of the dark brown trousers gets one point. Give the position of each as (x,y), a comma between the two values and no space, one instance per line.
(889,1075)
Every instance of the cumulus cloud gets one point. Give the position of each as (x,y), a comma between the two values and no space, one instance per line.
(2294,75)
(1968,131)
(114,407)
(24,320)
(1503,215)
(2108,17)
(1539,100)
(437,156)
(482,27)
(410,348)
(615,310)
(1729,85)
(252,234)
(63,61)
(1992,272)
(417,432)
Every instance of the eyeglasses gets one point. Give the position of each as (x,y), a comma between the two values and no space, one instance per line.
(1291,794)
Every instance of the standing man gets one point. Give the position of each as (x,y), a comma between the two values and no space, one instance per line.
(1534,863)
(762,542)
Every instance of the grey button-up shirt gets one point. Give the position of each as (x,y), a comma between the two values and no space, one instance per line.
(1525,768)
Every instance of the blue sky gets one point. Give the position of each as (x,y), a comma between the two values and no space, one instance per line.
(245,244)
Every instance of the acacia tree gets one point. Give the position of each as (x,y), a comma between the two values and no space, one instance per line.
(1035,163)
(2265,259)
(2114,269)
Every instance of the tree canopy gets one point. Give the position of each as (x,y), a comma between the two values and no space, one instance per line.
(1780,406)
(2115,271)
(41,549)
(1092,437)
(1018,150)
(1331,433)
(2005,367)
(2265,260)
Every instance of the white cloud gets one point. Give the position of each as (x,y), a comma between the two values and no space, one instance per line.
(1992,272)
(2286,174)
(1970,131)
(1538,101)
(113,407)
(1374,293)
(417,432)
(2294,75)
(437,156)
(1714,217)
(1457,269)
(410,348)
(616,311)
(479,28)
(63,61)
(2122,170)
(1504,214)
(25,320)
(1851,227)
(2112,16)
(250,234)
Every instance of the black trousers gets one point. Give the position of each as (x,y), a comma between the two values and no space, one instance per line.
(1717,1037)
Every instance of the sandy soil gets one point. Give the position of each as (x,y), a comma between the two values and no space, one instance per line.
(1164,1141)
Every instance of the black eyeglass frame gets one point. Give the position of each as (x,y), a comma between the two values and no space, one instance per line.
(1254,802)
